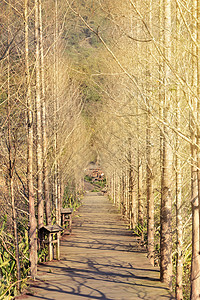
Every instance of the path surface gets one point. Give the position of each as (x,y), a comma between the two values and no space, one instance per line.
(100,260)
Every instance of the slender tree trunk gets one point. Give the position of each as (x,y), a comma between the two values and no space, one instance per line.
(179,226)
(127,194)
(43,116)
(119,190)
(140,200)
(38,120)
(167,172)
(32,219)
(123,193)
(196,205)
(15,228)
(131,174)
(62,188)
(161,84)
(198,122)
(195,262)
(114,187)
(11,163)
(140,207)
(56,163)
(12,196)
(149,168)
(150,197)
(59,197)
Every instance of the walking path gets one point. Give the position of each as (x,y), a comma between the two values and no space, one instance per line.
(99,260)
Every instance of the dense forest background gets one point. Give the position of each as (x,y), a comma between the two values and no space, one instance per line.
(113,81)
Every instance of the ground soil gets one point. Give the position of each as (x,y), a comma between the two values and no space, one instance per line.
(101,259)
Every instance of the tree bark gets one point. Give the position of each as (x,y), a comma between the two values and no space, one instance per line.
(140,205)
(43,116)
(11,162)
(40,200)
(167,167)
(195,263)
(179,225)
(131,174)
(149,167)
(150,197)
(32,219)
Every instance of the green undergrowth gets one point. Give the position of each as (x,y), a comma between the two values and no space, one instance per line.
(97,183)
(8,266)
(72,198)
(88,178)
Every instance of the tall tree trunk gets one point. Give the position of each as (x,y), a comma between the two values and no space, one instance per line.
(11,162)
(59,196)
(140,200)
(131,174)
(114,187)
(139,183)
(179,226)
(167,171)
(149,168)
(56,163)
(161,84)
(150,197)
(14,213)
(32,219)
(44,134)
(198,129)
(195,262)
(122,193)
(38,120)
(127,193)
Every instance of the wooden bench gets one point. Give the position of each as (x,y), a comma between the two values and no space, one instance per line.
(50,235)
(66,218)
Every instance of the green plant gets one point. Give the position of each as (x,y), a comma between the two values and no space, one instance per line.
(71,198)
(88,178)
(8,280)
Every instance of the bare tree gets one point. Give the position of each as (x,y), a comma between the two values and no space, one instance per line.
(32,219)
(12,157)
(167,167)
(38,119)
(44,123)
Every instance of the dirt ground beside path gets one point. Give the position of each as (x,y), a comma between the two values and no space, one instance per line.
(99,260)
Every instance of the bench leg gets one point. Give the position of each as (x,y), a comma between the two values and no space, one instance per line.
(50,248)
(58,248)
(70,223)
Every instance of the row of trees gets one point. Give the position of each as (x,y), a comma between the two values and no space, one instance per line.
(43,132)
(119,79)
(147,126)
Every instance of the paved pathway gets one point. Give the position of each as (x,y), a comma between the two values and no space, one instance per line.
(100,260)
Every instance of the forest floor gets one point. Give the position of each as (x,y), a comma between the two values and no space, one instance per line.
(101,259)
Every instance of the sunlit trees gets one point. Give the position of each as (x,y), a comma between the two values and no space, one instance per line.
(27,89)
(168,92)
(121,84)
